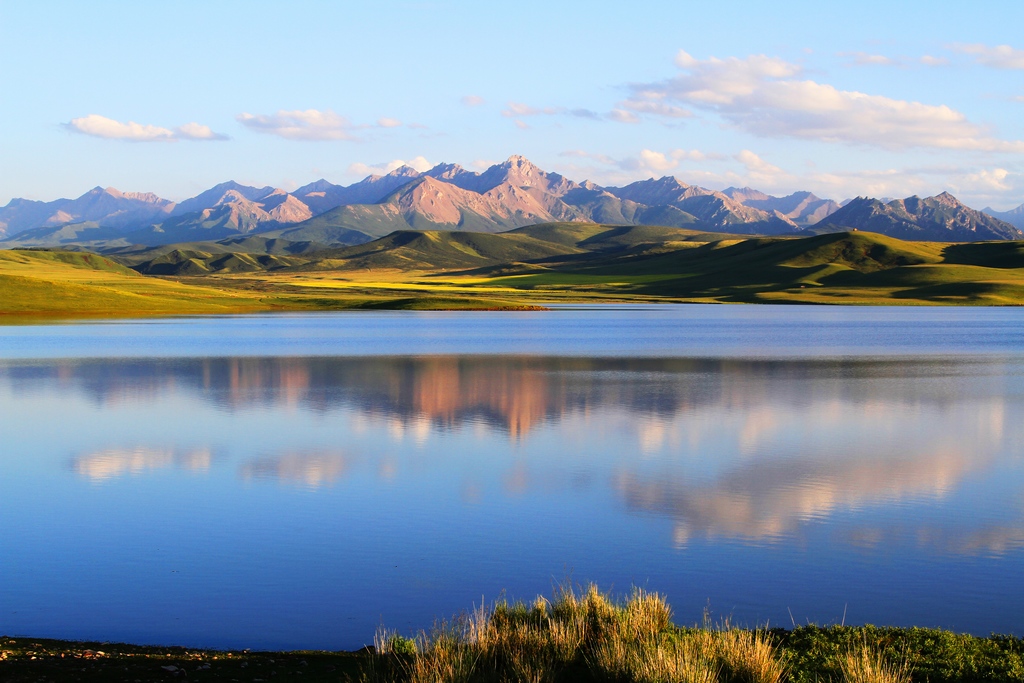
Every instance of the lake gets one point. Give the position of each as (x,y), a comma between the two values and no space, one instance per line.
(295,481)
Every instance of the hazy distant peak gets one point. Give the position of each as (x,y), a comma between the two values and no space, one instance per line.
(321,185)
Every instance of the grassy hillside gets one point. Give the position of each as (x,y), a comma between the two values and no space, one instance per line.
(559,262)
(56,283)
(568,262)
(44,284)
(413,250)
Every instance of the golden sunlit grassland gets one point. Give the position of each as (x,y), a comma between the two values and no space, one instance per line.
(842,268)
(44,285)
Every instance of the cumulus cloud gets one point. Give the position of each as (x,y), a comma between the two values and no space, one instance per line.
(765,96)
(388,123)
(196,131)
(419,163)
(929,60)
(472,100)
(755,164)
(111,129)
(996,56)
(310,124)
(987,180)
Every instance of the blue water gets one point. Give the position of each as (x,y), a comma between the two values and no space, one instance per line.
(295,481)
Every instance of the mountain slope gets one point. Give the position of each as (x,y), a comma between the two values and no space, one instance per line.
(103,206)
(1014,217)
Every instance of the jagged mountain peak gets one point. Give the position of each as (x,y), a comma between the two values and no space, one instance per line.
(404,171)
(941,218)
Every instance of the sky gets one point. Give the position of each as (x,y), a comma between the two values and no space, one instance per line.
(883,99)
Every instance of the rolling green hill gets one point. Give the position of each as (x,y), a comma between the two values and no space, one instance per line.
(411,250)
(535,265)
(850,267)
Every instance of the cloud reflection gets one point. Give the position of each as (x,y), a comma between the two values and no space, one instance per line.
(119,462)
(309,469)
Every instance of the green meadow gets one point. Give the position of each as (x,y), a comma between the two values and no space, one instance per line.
(520,269)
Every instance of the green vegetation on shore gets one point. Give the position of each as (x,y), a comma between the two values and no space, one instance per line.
(578,635)
(521,269)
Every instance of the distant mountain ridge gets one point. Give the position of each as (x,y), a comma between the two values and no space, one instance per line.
(1014,217)
(508,195)
(942,218)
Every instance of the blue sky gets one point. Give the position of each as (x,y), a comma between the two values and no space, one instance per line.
(876,98)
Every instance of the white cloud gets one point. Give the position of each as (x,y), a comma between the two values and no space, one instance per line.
(518,109)
(929,60)
(388,123)
(310,124)
(623,116)
(646,160)
(419,163)
(111,129)
(867,59)
(764,96)
(987,180)
(756,165)
(652,106)
(472,100)
(521,125)
(996,56)
(196,131)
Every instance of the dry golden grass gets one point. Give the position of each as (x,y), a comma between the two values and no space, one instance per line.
(749,656)
(867,665)
(582,631)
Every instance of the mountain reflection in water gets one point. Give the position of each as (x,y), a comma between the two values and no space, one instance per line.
(731,449)
(277,493)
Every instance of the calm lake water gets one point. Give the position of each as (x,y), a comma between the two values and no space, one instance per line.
(294,481)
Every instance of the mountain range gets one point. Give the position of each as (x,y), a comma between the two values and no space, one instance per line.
(506,196)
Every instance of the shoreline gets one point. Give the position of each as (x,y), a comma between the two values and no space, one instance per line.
(808,653)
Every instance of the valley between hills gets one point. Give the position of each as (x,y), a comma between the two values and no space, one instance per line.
(525,268)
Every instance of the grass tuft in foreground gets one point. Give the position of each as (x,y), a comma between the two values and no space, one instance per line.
(578,635)
(868,665)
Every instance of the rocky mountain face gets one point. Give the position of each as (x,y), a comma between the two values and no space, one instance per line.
(941,218)
(508,195)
